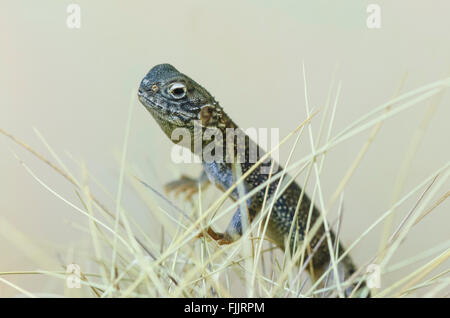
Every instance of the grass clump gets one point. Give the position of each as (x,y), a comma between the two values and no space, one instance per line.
(131,262)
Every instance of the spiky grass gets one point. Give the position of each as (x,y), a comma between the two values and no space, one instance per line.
(130,262)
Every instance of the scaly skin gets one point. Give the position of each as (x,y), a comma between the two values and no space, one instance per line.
(176,101)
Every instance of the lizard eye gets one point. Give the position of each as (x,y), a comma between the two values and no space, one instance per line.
(177,90)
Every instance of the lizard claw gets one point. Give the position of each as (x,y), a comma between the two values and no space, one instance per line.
(184,184)
(220,238)
(224,242)
(188,185)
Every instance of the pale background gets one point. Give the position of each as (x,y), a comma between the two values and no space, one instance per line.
(75,87)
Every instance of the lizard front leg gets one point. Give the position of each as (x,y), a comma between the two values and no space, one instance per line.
(188,185)
(235,229)
(232,233)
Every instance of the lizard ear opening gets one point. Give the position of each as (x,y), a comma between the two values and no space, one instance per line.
(205,115)
(177,90)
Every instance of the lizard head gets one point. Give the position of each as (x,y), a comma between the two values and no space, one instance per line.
(175,100)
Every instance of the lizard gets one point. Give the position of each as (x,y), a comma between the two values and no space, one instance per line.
(176,101)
